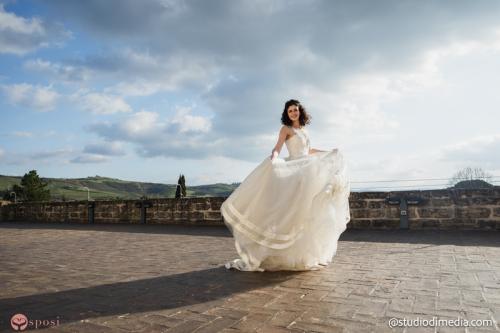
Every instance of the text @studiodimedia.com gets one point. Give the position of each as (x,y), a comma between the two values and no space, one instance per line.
(435,322)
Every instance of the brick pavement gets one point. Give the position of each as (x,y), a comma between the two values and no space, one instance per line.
(161,278)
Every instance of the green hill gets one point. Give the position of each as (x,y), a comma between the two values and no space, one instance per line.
(473,184)
(112,188)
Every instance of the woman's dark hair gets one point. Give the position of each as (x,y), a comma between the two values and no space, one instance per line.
(304,117)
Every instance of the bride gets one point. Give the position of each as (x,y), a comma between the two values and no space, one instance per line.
(288,214)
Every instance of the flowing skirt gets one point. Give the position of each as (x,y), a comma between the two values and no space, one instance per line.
(288,214)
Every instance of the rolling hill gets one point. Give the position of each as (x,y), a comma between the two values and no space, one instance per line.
(112,188)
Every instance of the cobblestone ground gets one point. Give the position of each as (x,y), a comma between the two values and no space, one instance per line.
(153,278)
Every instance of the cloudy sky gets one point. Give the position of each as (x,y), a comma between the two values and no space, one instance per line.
(146,90)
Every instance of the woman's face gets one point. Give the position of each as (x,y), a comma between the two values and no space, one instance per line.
(293,112)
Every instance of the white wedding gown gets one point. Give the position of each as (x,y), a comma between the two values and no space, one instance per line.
(288,214)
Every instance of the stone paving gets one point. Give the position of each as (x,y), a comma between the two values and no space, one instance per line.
(161,278)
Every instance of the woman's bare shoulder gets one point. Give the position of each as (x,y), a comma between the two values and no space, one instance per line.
(285,129)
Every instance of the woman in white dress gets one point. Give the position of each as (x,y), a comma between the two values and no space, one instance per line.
(288,214)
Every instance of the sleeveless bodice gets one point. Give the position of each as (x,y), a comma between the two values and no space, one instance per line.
(298,145)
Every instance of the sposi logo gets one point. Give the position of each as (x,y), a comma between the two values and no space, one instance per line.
(19,322)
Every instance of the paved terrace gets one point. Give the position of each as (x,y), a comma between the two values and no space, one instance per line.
(160,278)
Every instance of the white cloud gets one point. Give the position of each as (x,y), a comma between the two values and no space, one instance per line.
(33,97)
(105,149)
(189,123)
(59,71)
(482,151)
(22,134)
(162,136)
(427,168)
(47,157)
(89,158)
(33,134)
(97,154)
(358,102)
(51,154)
(142,123)
(9,21)
(220,169)
(99,103)
(139,87)
(19,35)
(144,74)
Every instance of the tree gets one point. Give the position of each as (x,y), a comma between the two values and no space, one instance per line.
(32,188)
(178,189)
(471,178)
(183,185)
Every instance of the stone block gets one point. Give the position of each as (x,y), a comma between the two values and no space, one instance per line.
(441,202)
(435,212)
(368,213)
(357,204)
(209,215)
(472,212)
(372,204)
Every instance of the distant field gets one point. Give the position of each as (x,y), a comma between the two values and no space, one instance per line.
(111,188)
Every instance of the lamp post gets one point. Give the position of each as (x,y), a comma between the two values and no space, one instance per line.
(15,197)
(88,192)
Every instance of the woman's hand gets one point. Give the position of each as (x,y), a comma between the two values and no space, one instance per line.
(274,154)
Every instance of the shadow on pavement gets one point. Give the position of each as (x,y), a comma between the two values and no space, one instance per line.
(436,237)
(208,230)
(153,294)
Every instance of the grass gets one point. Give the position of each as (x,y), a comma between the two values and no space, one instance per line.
(112,188)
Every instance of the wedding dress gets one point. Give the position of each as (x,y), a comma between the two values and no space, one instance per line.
(288,214)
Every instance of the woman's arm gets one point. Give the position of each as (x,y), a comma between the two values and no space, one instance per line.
(281,140)
(312,151)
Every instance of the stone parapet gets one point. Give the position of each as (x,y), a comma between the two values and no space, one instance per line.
(464,209)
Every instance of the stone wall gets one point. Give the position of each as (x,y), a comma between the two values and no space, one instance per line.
(465,209)
(438,209)
(162,211)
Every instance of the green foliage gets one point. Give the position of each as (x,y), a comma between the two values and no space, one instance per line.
(32,188)
(178,190)
(183,185)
